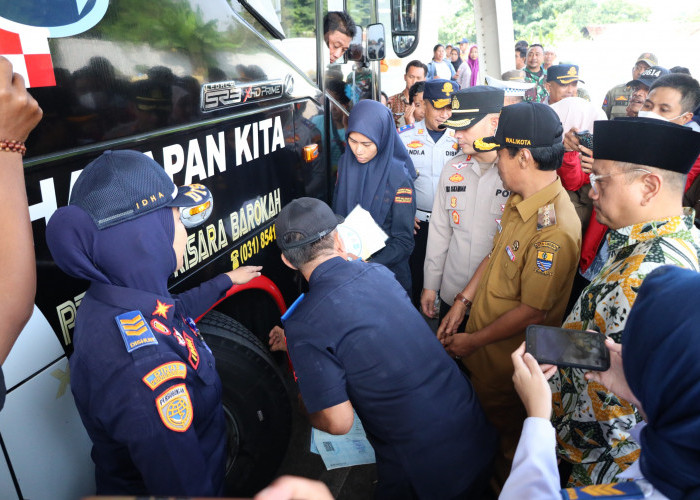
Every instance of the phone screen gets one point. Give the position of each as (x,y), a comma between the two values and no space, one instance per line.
(562,347)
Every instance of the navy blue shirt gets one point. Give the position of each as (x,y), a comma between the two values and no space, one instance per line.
(356,336)
(148,393)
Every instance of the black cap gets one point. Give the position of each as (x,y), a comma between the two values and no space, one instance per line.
(524,125)
(470,105)
(438,92)
(122,185)
(646,141)
(649,76)
(311,218)
(563,74)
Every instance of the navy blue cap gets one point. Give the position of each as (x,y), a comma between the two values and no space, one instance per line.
(121,185)
(646,141)
(464,40)
(438,92)
(563,74)
(470,105)
(310,218)
(524,125)
(649,76)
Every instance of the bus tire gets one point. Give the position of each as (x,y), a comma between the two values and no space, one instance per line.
(256,404)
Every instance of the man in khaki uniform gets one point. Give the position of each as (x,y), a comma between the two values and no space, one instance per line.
(527,277)
(468,202)
(618,97)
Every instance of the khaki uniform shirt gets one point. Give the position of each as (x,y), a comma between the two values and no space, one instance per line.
(466,213)
(533,261)
(428,157)
(616,101)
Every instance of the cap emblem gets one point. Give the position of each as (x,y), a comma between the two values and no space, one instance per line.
(455,103)
(480,145)
(572,71)
(447,88)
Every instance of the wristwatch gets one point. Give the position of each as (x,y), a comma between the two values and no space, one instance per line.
(463,300)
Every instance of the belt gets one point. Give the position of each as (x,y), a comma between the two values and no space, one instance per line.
(422,215)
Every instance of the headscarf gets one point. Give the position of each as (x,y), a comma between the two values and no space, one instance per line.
(136,254)
(456,64)
(660,352)
(577,112)
(474,66)
(373,185)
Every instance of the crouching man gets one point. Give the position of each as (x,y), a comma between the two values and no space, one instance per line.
(357,342)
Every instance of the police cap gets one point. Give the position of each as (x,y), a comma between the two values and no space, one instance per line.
(524,125)
(470,105)
(563,74)
(438,92)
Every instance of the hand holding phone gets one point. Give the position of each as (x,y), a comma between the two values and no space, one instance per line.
(585,138)
(563,347)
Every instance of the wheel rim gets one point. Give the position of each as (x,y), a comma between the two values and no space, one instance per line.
(232,439)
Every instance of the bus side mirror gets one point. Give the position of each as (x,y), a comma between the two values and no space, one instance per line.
(376,49)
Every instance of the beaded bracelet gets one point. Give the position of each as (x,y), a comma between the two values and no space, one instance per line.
(13,147)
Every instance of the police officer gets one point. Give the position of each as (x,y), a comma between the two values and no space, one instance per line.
(468,203)
(526,279)
(143,379)
(617,98)
(430,147)
(562,82)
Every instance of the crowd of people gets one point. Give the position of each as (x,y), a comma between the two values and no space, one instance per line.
(506,202)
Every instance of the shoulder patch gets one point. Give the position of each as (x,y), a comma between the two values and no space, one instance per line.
(160,327)
(546,216)
(455,146)
(456,178)
(165,372)
(175,408)
(404,191)
(193,353)
(615,490)
(414,144)
(135,331)
(460,165)
(421,131)
(545,261)
(544,245)
(407,127)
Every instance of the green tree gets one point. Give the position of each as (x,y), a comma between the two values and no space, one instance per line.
(457,23)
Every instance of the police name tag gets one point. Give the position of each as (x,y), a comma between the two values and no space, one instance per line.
(135,330)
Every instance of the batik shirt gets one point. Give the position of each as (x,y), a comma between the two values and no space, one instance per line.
(593,424)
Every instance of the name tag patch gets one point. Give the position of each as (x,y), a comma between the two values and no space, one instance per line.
(165,372)
(135,331)
(175,408)
(193,356)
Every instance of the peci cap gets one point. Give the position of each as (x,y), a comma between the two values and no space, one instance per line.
(310,217)
(470,105)
(122,185)
(438,92)
(649,76)
(648,58)
(512,87)
(646,141)
(524,125)
(563,74)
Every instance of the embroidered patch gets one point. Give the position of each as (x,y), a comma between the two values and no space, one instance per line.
(406,127)
(455,189)
(161,309)
(453,202)
(510,253)
(460,165)
(455,146)
(160,327)
(135,330)
(546,216)
(163,373)
(403,199)
(545,260)
(548,245)
(614,490)
(414,144)
(179,337)
(621,98)
(469,157)
(421,131)
(456,178)
(516,245)
(455,217)
(193,356)
(175,408)
(404,191)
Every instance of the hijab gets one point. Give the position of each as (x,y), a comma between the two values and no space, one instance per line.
(373,185)
(456,64)
(577,112)
(135,254)
(474,66)
(660,354)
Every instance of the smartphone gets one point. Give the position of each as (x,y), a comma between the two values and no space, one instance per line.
(562,347)
(585,138)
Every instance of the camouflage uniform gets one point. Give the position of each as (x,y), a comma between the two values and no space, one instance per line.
(539,81)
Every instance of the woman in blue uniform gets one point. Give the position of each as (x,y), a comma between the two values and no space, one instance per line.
(377,173)
(143,379)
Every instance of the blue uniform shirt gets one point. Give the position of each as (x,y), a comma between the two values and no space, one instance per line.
(148,393)
(357,336)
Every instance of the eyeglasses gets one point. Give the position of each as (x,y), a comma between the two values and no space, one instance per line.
(595,178)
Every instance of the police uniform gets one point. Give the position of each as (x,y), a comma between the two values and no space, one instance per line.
(428,158)
(466,213)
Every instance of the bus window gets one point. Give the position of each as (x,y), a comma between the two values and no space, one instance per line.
(404,26)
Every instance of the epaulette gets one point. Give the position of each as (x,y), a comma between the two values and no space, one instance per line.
(407,127)
(603,491)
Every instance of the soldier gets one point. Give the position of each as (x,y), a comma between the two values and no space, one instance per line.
(430,147)
(535,73)
(468,204)
(526,279)
(617,98)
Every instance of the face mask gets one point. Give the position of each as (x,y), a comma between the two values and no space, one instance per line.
(651,114)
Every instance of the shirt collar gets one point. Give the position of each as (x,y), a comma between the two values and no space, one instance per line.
(126,298)
(644,231)
(323,268)
(528,207)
